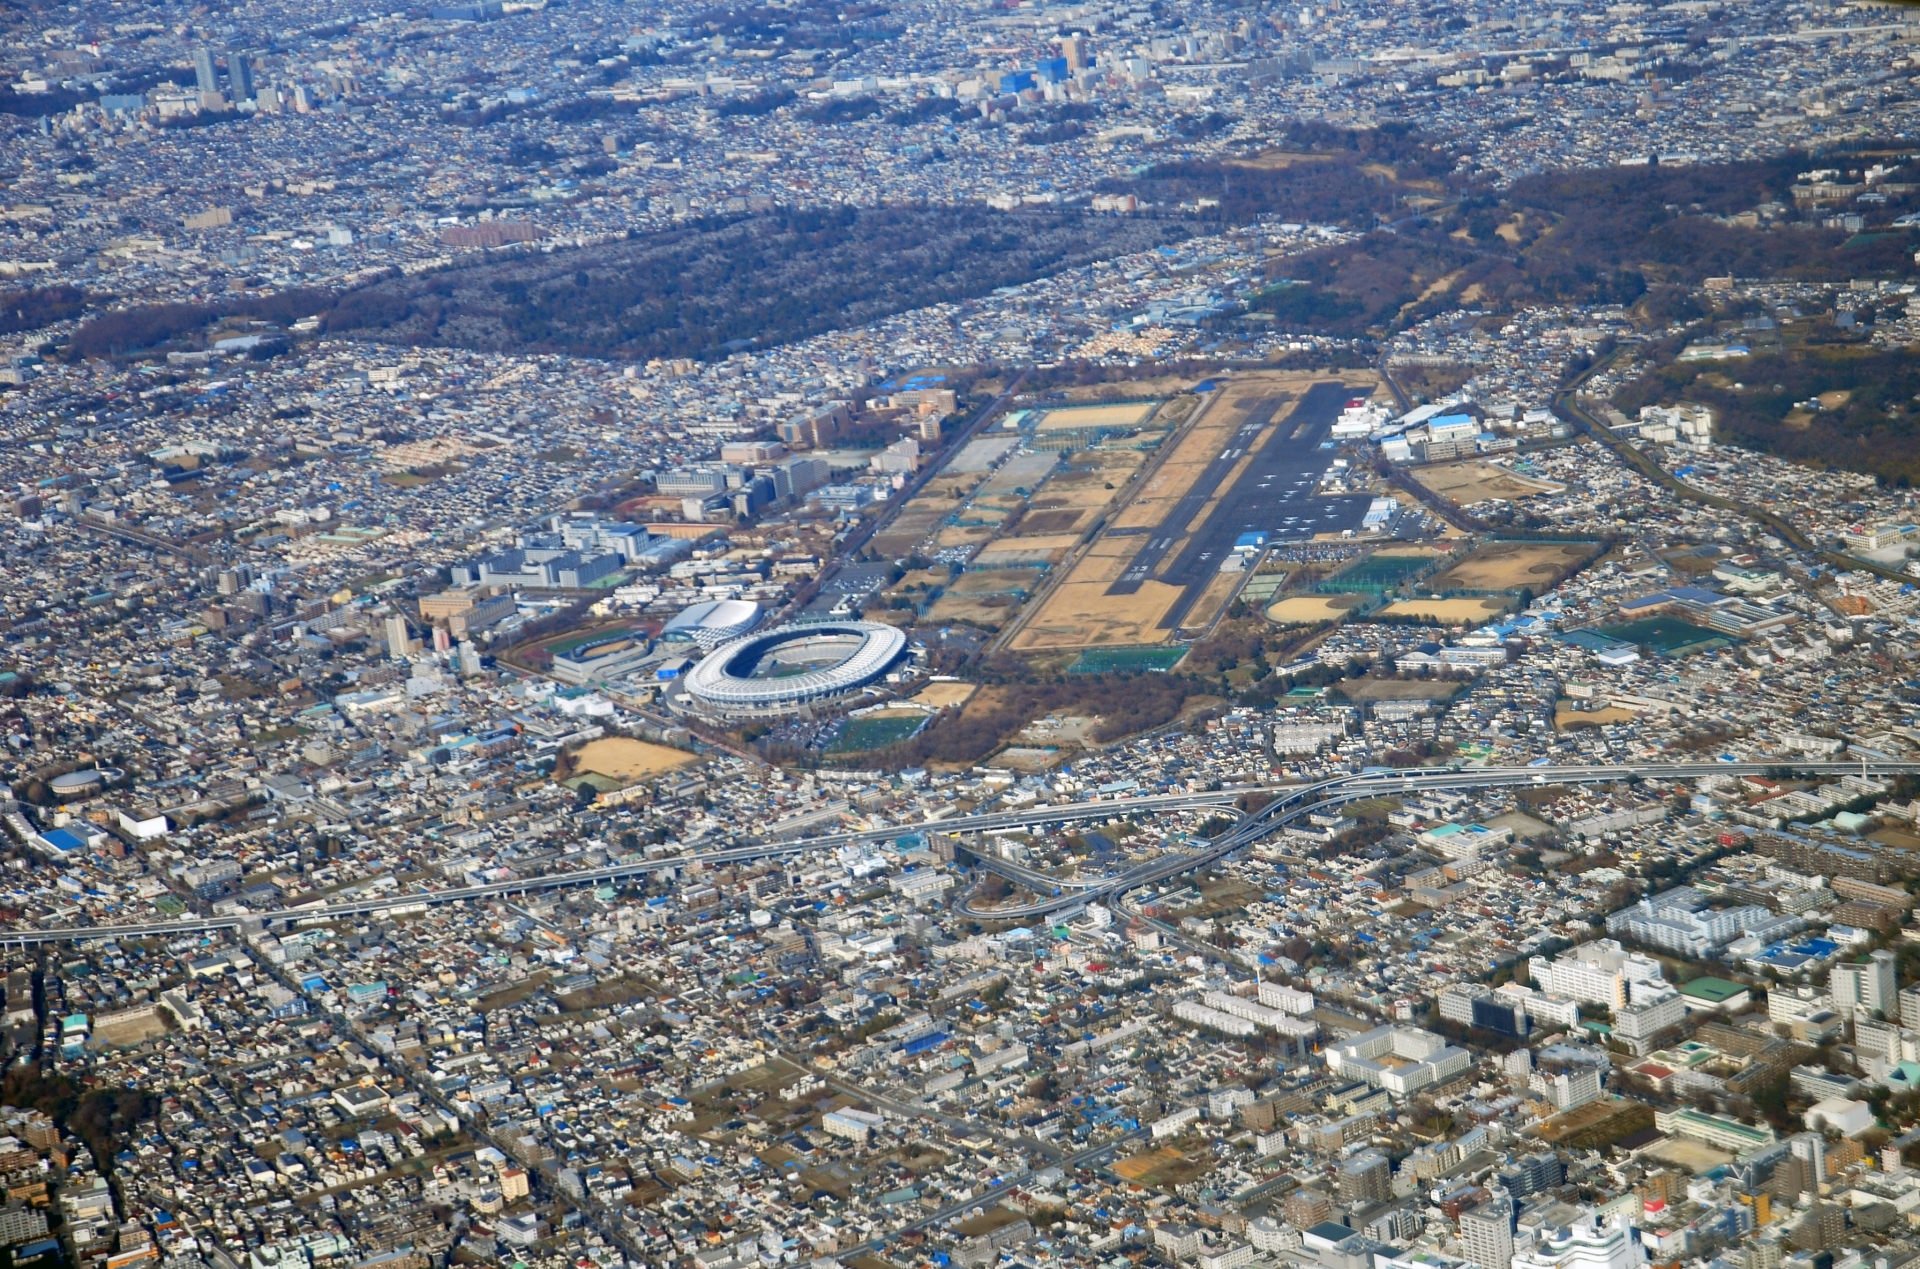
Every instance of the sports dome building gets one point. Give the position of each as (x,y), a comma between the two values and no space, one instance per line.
(787,669)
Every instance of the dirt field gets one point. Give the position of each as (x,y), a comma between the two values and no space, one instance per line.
(1043,548)
(1308,610)
(1277,160)
(1063,520)
(1694,1156)
(1564,717)
(1214,598)
(623,758)
(1596,1124)
(985,597)
(1025,759)
(128,1027)
(1079,613)
(1163,1167)
(1371,689)
(962,535)
(1465,483)
(1448,612)
(1121,414)
(942,695)
(1163,386)
(1524,826)
(1511,565)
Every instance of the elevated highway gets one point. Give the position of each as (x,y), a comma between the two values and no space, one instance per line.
(1301,800)
(1290,804)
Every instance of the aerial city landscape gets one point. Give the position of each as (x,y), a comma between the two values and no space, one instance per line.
(893,634)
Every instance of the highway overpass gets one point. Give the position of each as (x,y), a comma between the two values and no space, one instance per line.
(1289,804)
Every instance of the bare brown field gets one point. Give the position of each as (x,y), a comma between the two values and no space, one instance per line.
(623,758)
(962,535)
(1162,386)
(1212,600)
(996,581)
(1133,1167)
(989,612)
(1596,1124)
(1563,718)
(943,695)
(1041,548)
(1278,160)
(1371,689)
(1447,611)
(1511,565)
(1465,483)
(1116,414)
(1063,520)
(1078,612)
(1080,615)
(1310,610)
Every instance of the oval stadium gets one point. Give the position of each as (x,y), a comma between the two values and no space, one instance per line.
(787,669)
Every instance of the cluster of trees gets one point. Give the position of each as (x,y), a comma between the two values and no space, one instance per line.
(102,1117)
(39,306)
(1581,236)
(710,288)
(1876,429)
(1125,703)
(149,328)
(1320,174)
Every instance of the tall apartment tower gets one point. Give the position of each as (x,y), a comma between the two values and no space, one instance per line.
(1486,1233)
(399,646)
(240,76)
(205,77)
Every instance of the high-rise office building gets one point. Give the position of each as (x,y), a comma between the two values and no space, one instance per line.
(205,77)
(1486,1233)
(240,76)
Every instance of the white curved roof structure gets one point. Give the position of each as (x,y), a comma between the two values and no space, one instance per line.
(714,622)
(725,681)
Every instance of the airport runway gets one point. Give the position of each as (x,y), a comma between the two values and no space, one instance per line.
(1274,495)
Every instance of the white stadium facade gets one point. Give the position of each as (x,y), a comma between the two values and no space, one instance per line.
(791,668)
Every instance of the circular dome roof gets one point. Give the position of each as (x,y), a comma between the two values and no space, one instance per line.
(794,665)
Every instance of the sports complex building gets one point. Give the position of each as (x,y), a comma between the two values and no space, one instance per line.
(791,668)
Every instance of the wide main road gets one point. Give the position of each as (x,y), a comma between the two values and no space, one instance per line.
(1302,800)
(394,903)
(1290,804)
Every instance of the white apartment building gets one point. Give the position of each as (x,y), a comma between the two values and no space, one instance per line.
(1588,1244)
(1651,1012)
(1866,988)
(1597,973)
(1401,1060)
